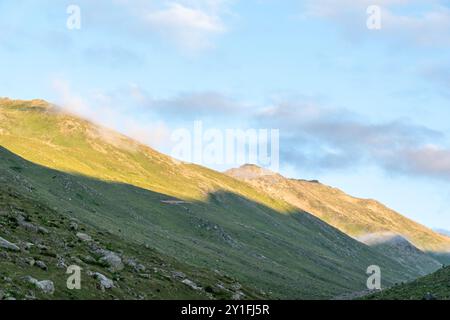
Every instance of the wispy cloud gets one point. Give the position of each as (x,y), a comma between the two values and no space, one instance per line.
(191,28)
(321,138)
(190,106)
(421,22)
(191,25)
(107,111)
(313,137)
(428,160)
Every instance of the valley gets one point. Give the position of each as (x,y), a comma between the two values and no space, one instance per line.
(227,237)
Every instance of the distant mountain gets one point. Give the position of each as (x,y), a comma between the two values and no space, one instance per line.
(403,251)
(359,218)
(227,237)
(443,232)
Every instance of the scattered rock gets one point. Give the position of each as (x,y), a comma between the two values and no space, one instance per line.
(104,282)
(73,226)
(29,226)
(30,261)
(111,259)
(178,275)
(135,265)
(41,265)
(236,286)
(221,286)
(238,295)
(5,244)
(84,237)
(28,246)
(46,286)
(191,284)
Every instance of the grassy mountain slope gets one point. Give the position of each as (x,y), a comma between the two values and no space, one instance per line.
(404,252)
(355,217)
(203,218)
(435,286)
(146,273)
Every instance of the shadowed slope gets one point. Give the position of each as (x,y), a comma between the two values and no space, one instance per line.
(435,286)
(353,216)
(48,235)
(403,251)
(290,256)
(200,216)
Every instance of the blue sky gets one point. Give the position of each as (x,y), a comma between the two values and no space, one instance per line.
(363,110)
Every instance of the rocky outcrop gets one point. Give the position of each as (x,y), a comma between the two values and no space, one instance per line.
(84,237)
(104,282)
(5,244)
(46,286)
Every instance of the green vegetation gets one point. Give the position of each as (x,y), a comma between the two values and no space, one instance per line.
(435,286)
(205,223)
(156,277)
(367,220)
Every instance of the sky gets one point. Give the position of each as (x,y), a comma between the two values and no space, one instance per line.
(362,109)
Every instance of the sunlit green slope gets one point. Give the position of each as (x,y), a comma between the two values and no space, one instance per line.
(110,182)
(364,219)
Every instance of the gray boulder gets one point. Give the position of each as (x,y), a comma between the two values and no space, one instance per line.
(191,284)
(46,286)
(5,244)
(73,226)
(109,258)
(104,282)
(41,265)
(29,226)
(138,267)
(84,237)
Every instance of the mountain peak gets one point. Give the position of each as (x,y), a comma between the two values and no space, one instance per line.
(29,104)
(249,171)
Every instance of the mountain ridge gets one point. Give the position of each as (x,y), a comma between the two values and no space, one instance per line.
(339,209)
(200,216)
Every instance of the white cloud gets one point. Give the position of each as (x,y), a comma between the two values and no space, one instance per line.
(429,28)
(192,25)
(190,28)
(106,111)
(190,106)
(428,160)
(312,137)
(67,99)
(320,138)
